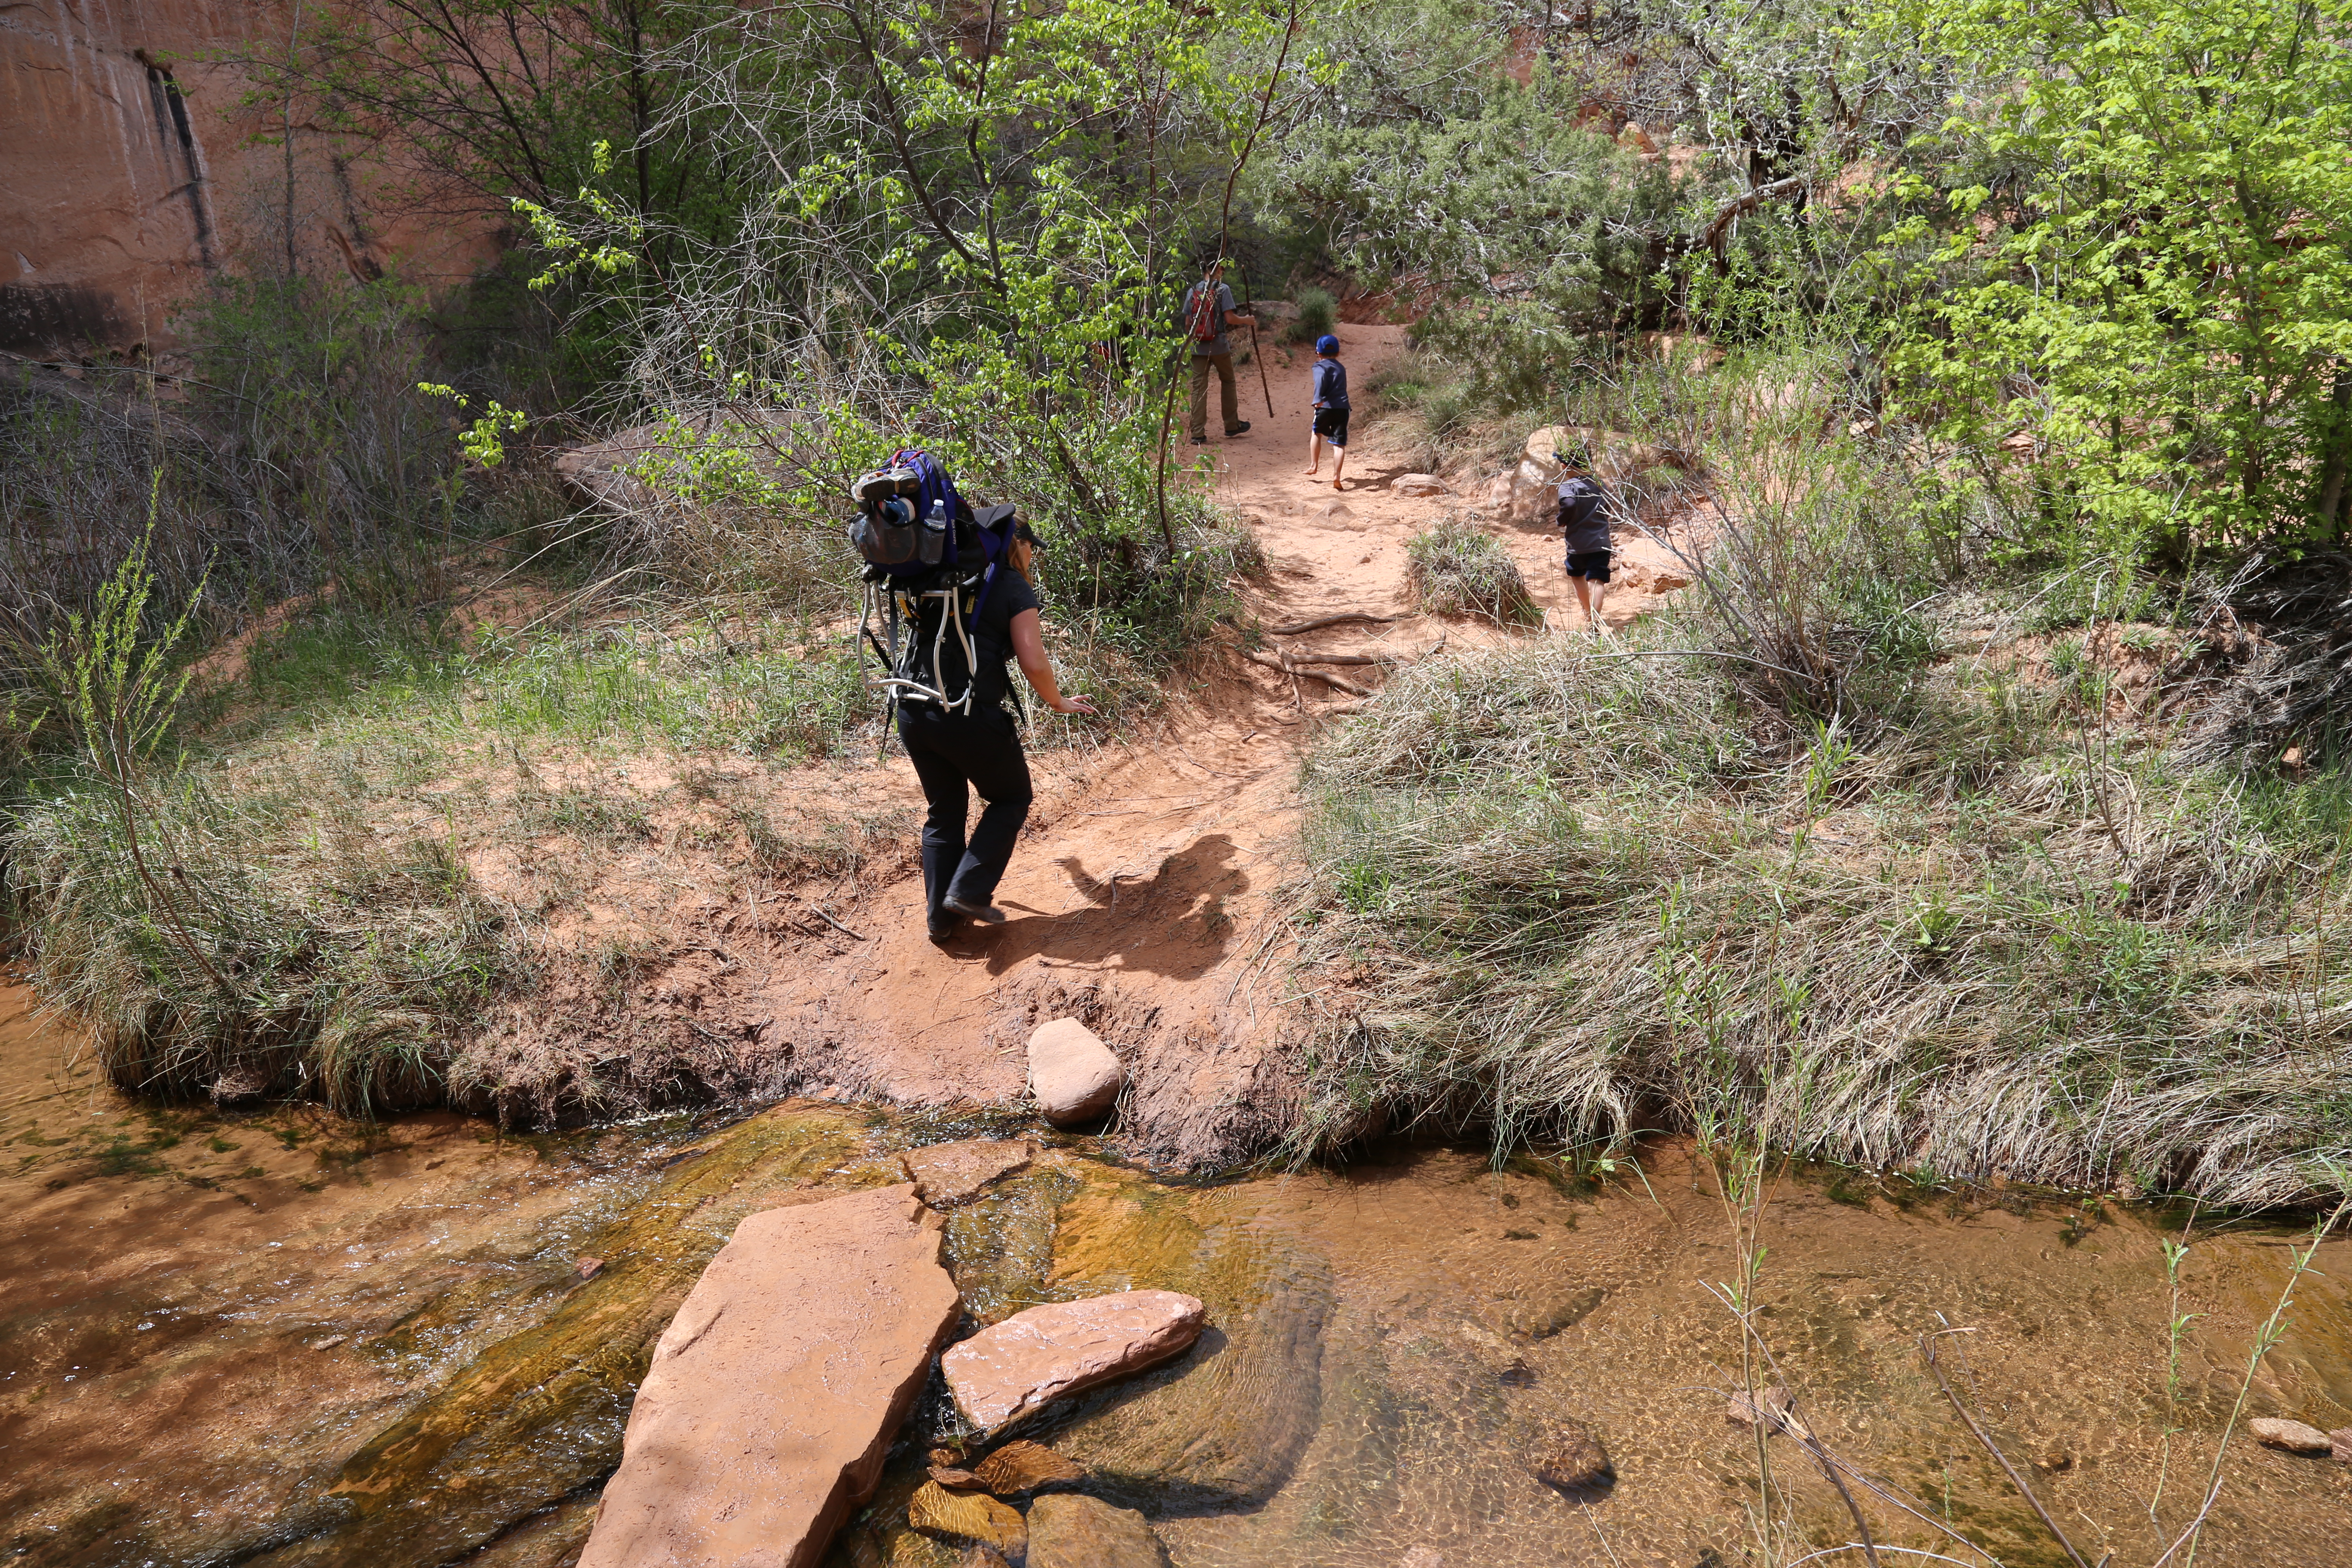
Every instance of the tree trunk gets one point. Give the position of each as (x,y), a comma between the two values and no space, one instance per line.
(2335,515)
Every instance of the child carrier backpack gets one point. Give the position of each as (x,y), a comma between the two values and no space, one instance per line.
(930,563)
(1203,320)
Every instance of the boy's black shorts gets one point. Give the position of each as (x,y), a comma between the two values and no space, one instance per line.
(1332,423)
(1593,565)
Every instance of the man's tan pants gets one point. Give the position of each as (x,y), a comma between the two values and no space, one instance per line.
(1229,402)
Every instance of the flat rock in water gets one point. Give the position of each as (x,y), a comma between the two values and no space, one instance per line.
(1066,1530)
(946,1174)
(1066,1347)
(773,1397)
(1024,1466)
(967,1516)
(1574,1461)
(1223,1425)
(1420,485)
(2293,1436)
(1075,1076)
(2340,1444)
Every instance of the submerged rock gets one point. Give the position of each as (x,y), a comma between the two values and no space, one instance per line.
(1024,1466)
(1769,1406)
(773,1395)
(947,1174)
(2293,1436)
(2340,1444)
(1066,1530)
(1075,1076)
(1223,1425)
(1033,1357)
(1574,1461)
(966,1516)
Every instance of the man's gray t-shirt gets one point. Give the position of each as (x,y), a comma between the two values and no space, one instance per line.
(1211,346)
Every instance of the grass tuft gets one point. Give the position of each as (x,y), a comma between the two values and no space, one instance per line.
(1459,569)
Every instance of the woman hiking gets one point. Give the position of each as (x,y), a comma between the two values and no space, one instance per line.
(979,749)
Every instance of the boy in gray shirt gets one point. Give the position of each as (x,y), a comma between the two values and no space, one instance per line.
(1585,510)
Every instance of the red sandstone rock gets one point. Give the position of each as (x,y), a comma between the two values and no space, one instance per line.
(1047,1352)
(2293,1436)
(947,1174)
(1073,1074)
(1066,1530)
(773,1395)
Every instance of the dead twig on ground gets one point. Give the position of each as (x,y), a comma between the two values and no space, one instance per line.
(1353,617)
(1283,667)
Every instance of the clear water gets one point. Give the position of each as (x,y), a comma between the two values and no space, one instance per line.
(1391,1349)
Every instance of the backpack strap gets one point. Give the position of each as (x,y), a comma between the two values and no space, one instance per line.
(995,526)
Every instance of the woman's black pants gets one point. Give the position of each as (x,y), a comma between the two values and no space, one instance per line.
(951,753)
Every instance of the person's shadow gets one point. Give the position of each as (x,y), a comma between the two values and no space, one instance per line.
(1171,922)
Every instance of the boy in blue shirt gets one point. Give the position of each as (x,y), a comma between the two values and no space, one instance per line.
(1330,410)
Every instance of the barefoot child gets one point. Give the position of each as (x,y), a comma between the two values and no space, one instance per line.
(1330,410)
(1584,518)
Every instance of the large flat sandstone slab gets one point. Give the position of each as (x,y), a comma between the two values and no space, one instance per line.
(1032,1358)
(773,1395)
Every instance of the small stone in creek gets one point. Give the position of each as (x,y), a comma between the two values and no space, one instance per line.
(588,1268)
(1033,1357)
(1575,1462)
(1066,1530)
(329,1343)
(967,1516)
(1024,1466)
(1423,1557)
(955,1479)
(2293,1436)
(2340,1444)
(1775,1401)
(1073,1074)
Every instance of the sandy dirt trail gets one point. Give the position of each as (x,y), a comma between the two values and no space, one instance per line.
(1143,892)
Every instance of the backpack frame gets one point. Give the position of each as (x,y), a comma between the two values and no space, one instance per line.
(900,598)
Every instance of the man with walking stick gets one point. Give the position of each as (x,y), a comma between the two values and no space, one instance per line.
(1207,310)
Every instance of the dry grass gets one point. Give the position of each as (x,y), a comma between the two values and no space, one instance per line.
(1578,892)
(1459,569)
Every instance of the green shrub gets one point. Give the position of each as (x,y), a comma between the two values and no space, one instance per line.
(1317,314)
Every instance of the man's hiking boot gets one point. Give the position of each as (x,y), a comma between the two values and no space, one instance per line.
(1200,441)
(945,932)
(986,914)
(1240,429)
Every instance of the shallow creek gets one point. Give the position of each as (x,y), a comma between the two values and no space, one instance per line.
(283,1339)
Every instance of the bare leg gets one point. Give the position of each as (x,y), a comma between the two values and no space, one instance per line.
(1583,598)
(1599,592)
(1339,464)
(1314,452)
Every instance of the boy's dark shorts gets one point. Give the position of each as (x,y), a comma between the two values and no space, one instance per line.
(1332,423)
(1593,565)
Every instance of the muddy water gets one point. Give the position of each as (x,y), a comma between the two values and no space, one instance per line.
(282,1339)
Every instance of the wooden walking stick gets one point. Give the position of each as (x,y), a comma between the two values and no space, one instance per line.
(1250,309)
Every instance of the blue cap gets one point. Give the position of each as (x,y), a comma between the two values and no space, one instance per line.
(1326,344)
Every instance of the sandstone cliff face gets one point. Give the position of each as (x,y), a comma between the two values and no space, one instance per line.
(132,170)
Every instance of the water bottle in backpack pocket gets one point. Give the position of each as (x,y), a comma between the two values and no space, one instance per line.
(933,544)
